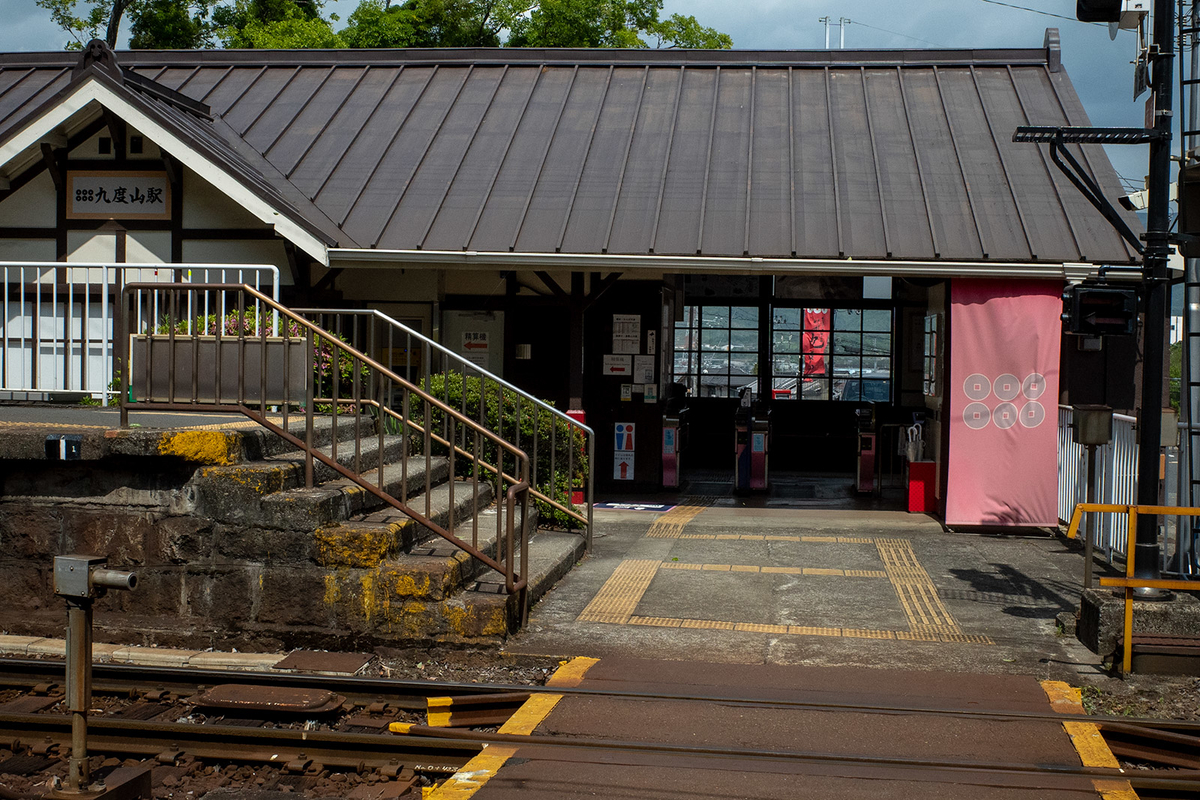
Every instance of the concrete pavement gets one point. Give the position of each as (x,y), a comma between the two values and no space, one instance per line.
(725,582)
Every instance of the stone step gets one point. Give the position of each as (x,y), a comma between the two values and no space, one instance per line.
(260,443)
(432,567)
(489,611)
(270,493)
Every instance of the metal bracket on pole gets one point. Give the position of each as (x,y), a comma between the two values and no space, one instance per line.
(1058,137)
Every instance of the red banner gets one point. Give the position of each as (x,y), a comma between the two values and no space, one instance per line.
(1003,402)
(814,345)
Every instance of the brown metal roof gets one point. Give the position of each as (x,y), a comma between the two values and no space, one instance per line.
(903,155)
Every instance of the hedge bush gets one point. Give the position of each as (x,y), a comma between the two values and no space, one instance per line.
(500,415)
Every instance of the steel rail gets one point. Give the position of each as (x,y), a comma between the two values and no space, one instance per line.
(446,750)
(1181,780)
(234,743)
(123,677)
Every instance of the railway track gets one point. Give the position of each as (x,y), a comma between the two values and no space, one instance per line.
(326,735)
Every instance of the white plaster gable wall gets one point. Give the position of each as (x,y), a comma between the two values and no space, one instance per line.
(31,206)
(90,149)
(88,96)
(27,250)
(211,251)
(148,247)
(205,206)
(91,246)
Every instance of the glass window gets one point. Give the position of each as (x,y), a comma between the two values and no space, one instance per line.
(831,354)
(716,350)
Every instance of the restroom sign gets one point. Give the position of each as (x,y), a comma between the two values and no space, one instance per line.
(623,450)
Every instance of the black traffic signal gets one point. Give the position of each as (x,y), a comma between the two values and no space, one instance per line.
(1099,310)
(1098,10)
(1189,210)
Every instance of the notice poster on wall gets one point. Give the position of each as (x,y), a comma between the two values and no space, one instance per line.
(643,369)
(1003,394)
(475,348)
(627,333)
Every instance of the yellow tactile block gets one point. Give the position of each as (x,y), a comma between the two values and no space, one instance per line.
(620,594)
(847,573)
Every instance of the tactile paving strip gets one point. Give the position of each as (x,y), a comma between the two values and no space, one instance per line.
(619,595)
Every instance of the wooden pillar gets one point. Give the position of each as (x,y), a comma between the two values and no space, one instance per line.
(576,302)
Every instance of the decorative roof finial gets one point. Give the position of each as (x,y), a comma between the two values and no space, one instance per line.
(98,53)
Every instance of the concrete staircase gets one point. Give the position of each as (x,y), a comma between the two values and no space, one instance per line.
(233,551)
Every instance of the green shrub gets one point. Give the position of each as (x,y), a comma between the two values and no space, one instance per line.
(499,414)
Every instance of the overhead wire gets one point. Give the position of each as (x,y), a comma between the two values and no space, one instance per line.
(1039,11)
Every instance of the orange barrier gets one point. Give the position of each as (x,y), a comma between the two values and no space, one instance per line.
(1129,583)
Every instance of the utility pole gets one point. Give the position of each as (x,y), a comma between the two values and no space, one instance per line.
(1154,278)
(1186,551)
(841,23)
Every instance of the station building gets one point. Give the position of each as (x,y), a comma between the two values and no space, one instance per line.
(623,231)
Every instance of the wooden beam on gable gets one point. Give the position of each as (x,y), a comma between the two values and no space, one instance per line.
(52,165)
(116,129)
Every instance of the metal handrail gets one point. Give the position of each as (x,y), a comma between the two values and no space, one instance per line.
(59,319)
(370,338)
(283,382)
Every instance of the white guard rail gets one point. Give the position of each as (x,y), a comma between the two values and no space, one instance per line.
(58,320)
(1115,479)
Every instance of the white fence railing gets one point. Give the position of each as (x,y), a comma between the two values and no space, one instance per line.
(58,320)
(1115,478)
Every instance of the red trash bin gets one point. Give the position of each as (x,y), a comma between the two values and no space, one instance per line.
(921,480)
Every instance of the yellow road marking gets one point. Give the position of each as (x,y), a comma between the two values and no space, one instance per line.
(847,573)
(1088,741)
(480,769)
(805,630)
(760,537)
(620,594)
(570,674)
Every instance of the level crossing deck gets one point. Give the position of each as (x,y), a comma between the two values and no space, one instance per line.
(868,735)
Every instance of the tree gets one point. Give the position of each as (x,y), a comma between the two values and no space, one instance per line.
(188,24)
(374,24)
(82,29)
(609,23)
(685,32)
(274,24)
(170,25)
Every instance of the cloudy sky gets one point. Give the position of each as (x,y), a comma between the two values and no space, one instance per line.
(1099,68)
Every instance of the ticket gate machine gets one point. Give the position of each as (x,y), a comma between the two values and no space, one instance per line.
(752,437)
(864,482)
(674,436)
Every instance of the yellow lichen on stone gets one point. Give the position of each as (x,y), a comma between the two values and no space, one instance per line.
(348,547)
(203,447)
(333,592)
(368,600)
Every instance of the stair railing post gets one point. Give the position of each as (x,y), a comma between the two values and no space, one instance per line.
(308,408)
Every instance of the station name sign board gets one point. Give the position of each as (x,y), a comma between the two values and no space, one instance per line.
(118,194)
